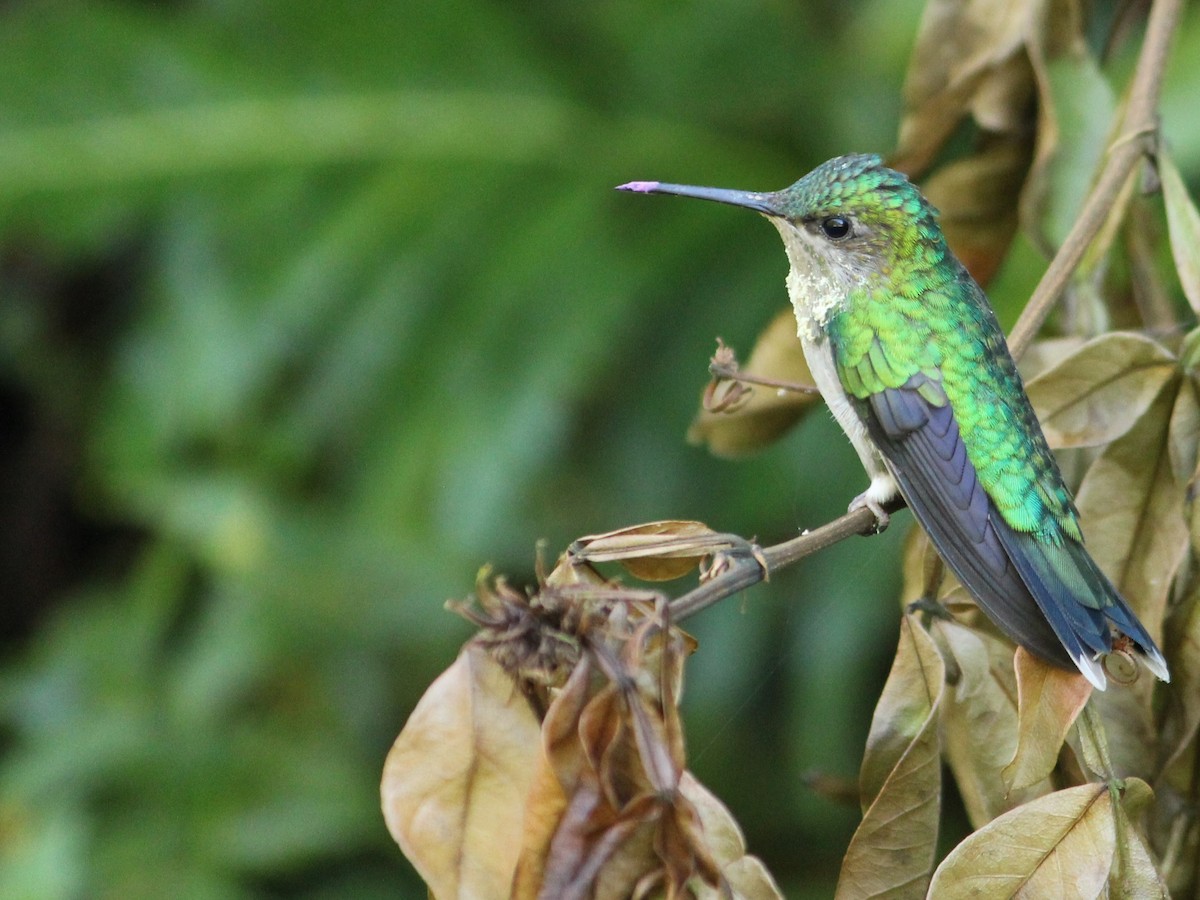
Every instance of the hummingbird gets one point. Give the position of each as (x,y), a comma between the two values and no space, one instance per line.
(910,359)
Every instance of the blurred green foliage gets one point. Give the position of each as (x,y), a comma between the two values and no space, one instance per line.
(308,310)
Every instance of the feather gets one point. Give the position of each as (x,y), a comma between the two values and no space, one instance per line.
(1047,595)
(925,453)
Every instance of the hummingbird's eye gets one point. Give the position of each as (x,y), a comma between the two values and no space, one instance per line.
(835,228)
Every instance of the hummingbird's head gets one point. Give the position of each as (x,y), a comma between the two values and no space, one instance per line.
(850,222)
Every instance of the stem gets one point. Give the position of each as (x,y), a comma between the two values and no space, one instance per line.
(1091,732)
(733,373)
(1137,136)
(745,570)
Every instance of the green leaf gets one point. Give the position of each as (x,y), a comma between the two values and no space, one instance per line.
(1183,222)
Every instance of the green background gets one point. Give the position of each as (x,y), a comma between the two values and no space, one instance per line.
(307,311)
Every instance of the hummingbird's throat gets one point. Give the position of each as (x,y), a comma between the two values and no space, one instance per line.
(816,286)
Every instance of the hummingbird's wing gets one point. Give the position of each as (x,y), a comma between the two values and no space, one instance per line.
(1046,593)
(921,443)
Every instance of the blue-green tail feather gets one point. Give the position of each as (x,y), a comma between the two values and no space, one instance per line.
(1078,600)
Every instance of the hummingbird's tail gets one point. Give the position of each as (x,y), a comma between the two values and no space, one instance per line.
(1079,602)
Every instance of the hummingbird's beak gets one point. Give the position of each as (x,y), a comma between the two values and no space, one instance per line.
(748,199)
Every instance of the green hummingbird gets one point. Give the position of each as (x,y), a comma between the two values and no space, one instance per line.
(910,359)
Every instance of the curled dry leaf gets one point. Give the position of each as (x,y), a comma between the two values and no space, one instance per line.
(655,551)
(606,815)
(893,850)
(1059,845)
(970,62)
(455,781)
(1048,701)
(968,59)
(764,413)
(1183,223)
(747,877)
(1133,516)
(979,722)
(1132,511)
(1096,394)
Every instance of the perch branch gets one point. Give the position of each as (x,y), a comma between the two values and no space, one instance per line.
(742,570)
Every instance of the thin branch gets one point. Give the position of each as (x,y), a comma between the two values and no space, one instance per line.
(731,372)
(1139,129)
(743,570)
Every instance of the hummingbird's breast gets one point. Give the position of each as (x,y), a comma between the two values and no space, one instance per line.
(819,289)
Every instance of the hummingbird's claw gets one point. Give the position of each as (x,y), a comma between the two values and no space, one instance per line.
(882,517)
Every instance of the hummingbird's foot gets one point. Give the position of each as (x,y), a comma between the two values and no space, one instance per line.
(882,490)
(882,518)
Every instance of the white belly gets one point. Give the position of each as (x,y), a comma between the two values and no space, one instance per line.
(819,355)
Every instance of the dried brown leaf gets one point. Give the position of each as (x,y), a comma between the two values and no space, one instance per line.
(977,196)
(1181,722)
(1149,300)
(1183,222)
(765,413)
(925,574)
(1059,845)
(979,722)
(1095,395)
(654,551)
(1127,711)
(968,60)
(1045,353)
(1048,700)
(1184,433)
(892,852)
(455,781)
(559,779)
(1132,511)
(745,875)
